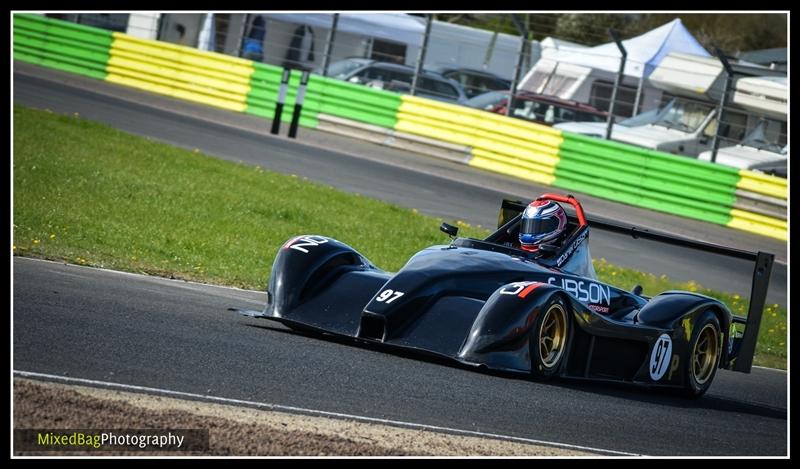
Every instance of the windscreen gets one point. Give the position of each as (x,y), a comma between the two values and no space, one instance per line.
(343,68)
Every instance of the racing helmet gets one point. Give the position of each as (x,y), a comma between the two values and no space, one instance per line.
(542,221)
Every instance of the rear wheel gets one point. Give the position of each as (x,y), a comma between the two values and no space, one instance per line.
(549,337)
(705,350)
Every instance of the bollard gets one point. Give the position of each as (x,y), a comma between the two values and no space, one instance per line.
(298,104)
(276,119)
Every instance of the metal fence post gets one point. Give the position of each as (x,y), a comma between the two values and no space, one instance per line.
(723,101)
(421,56)
(639,90)
(523,32)
(242,32)
(326,59)
(617,80)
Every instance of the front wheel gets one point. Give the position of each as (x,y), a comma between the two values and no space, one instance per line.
(549,337)
(705,350)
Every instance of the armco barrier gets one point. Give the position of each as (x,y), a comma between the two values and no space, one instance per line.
(611,170)
(762,184)
(182,72)
(392,138)
(356,102)
(498,143)
(646,178)
(323,95)
(755,189)
(187,73)
(760,224)
(264,85)
(740,199)
(62,45)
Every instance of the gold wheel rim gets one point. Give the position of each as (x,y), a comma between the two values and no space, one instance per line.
(704,355)
(552,335)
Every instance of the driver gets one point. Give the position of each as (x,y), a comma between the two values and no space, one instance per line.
(543,222)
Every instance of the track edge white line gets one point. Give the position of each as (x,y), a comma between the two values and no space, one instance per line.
(312,412)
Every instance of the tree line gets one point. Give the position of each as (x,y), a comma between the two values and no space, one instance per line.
(731,32)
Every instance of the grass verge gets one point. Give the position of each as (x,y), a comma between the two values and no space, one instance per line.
(88,194)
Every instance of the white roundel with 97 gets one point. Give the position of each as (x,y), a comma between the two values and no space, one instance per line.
(660,357)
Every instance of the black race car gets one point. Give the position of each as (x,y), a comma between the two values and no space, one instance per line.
(487,304)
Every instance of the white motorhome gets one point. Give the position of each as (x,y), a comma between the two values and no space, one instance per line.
(753,152)
(766,144)
(763,95)
(754,96)
(681,127)
(763,100)
(688,124)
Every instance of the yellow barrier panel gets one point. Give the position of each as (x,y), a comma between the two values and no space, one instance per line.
(762,184)
(183,54)
(179,71)
(500,143)
(542,174)
(185,80)
(467,119)
(162,67)
(154,85)
(759,224)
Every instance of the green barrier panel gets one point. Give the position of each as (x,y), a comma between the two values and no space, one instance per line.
(63,57)
(692,171)
(357,102)
(641,172)
(323,95)
(65,29)
(663,203)
(62,45)
(586,181)
(646,178)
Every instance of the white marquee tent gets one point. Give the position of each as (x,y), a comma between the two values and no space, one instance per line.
(645,52)
(585,73)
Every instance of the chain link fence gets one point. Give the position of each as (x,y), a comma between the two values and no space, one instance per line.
(479,66)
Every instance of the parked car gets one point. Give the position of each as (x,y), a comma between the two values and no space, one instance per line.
(756,152)
(539,108)
(474,82)
(680,127)
(774,168)
(396,77)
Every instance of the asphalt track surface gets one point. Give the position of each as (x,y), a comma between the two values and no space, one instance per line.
(93,324)
(436,187)
(100,325)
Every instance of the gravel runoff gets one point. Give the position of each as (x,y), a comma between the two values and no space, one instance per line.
(240,431)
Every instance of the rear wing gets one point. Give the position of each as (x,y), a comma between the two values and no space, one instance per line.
(511,209)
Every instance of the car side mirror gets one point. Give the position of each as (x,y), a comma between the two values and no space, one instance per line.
(449,229)
(548,250)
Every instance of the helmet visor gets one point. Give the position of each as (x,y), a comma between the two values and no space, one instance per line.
(537,226)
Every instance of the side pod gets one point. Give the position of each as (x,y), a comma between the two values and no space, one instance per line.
(499,337)
(305,264)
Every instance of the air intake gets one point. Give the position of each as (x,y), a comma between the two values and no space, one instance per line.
(372,327)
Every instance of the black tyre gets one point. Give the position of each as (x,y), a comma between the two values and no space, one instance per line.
(705,350)
(549,338)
